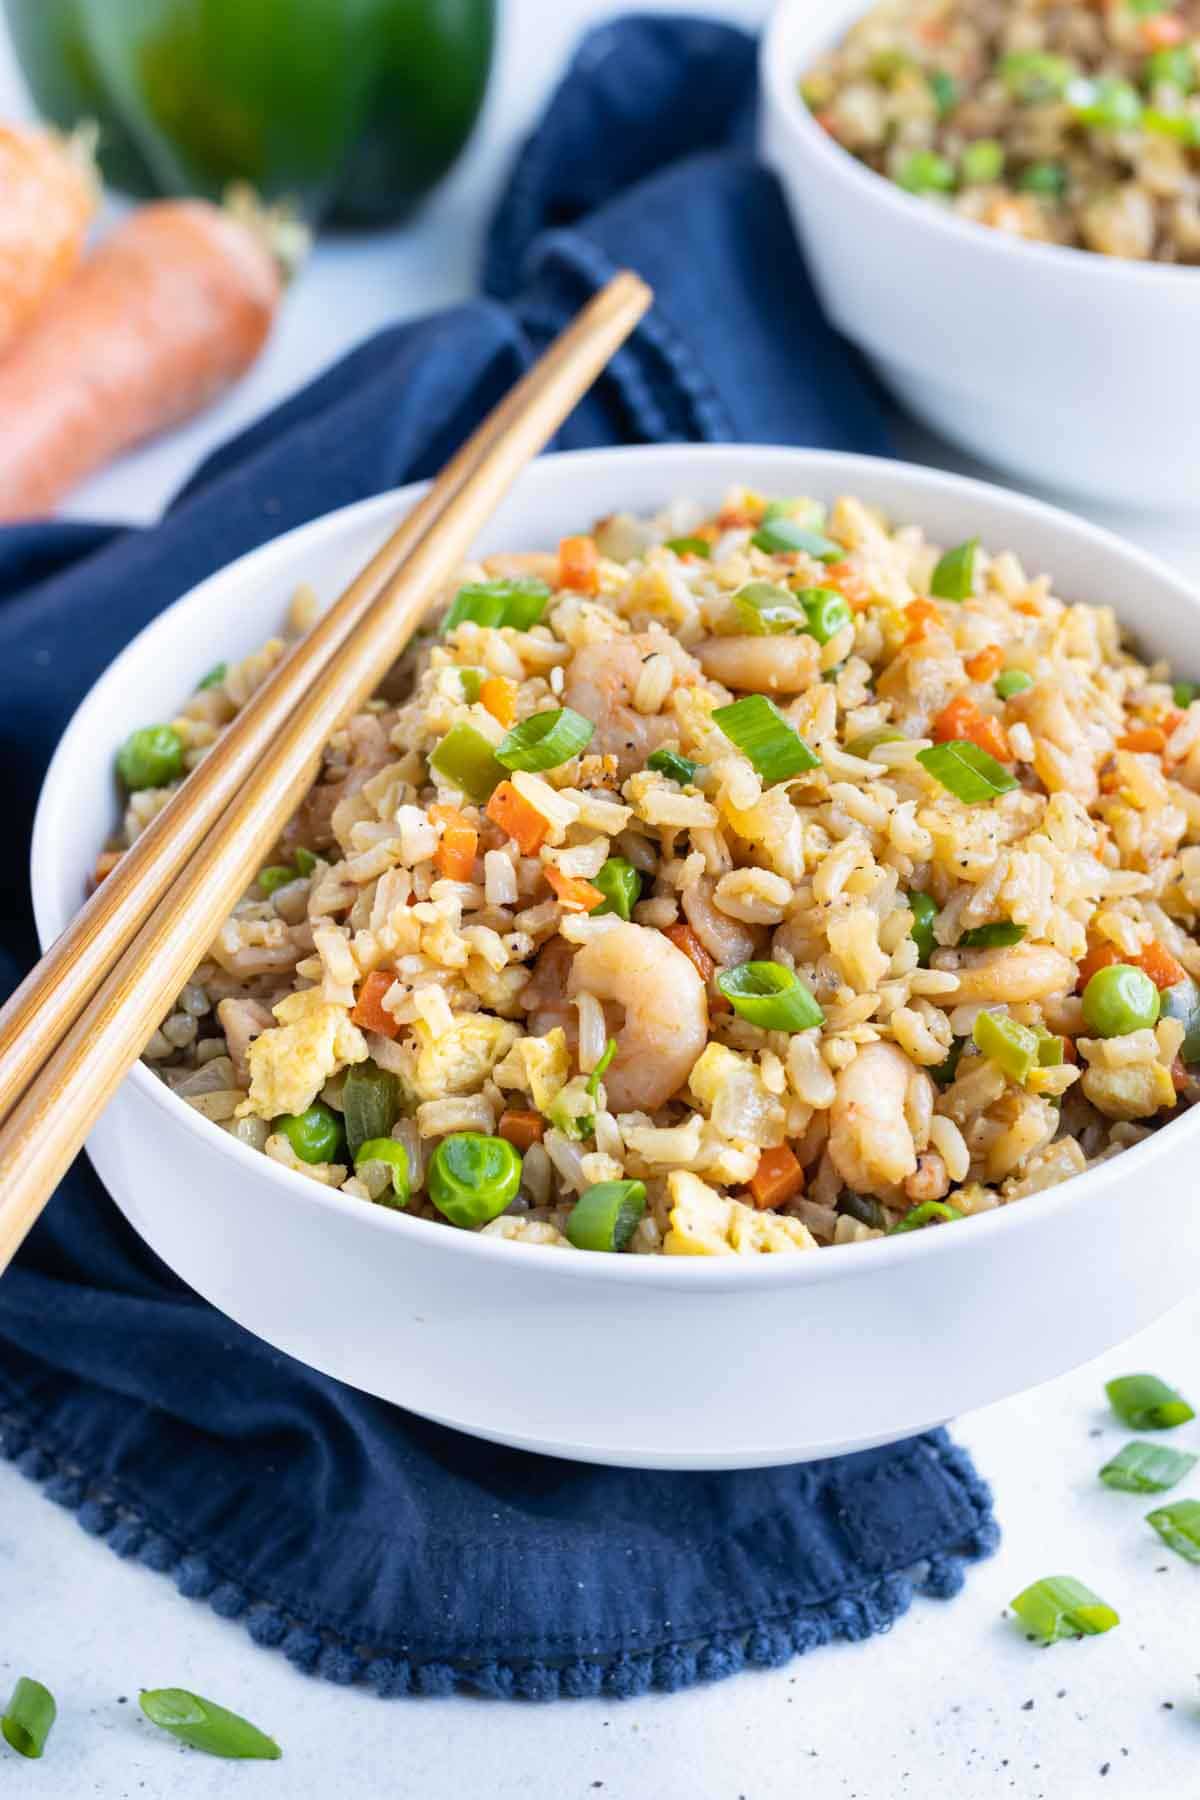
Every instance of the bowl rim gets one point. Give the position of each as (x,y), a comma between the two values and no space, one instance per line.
(778,80)
(834,468)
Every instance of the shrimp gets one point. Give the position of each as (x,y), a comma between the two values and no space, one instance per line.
(1017,973)
(762,665)
(665,1026)
(870,1141)
(600,684)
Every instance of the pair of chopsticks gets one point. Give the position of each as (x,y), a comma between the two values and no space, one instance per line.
(82,1017)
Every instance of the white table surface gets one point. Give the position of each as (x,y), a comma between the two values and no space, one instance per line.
(954,1705)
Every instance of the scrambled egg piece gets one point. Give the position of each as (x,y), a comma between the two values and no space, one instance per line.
(291,1062)
(539,1066)
(705,1223)
(461,1059)
(730,1087)
(1133,1093)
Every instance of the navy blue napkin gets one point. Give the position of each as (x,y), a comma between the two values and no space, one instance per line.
(363,1542)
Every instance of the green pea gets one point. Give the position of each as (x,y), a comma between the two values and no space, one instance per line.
(1035,76)
(275,875)
(473,1178)
(827,612)
(150,758)
(1118,1000)
(1046,178)
(926,172)
(620,884)
(1184,692)
(315,1135)
(1012,681)
(982,162)
(306,862)
(924,912)
(1108,103)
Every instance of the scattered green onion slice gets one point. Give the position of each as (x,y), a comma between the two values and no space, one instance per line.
(1184,692)
(601,1069)
(1146,1468)
(275,875)
(690,546)
(782,535)
(929,1212)
(315,1136)
(758,729)
(1046,178)
(1182,1002)
(391,1152)
(679,768)
(519,603)
(1012,681)
(214,678)
(472,684)
(770,995)
(982,162)
(370,1103)
(1012,1047)
(27,1718)
(924,912)
(1036,75)
(605,1215)
(1058,1606)
(762,609)
(867,741)
(1120,999)
(1178,1525)
(1145,1403)
(206,1726)
(150,758)
(466,759)
(1106,102)
(1176,64)
(996,936)
(826,611)
(953,577)
(306,862)
(944,1072)
(1050,1048)
(472,1178)
(545,741)
(620,884)
(966,771)
(1183,127)
(863,1207)
(944,89)
(926,172)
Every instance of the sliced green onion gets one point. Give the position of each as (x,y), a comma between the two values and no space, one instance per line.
(1058,1606)
(944,89)
(1046,178)
(472,1178)
(826,611)
(783,536)
(1107,102)
(601,1069)
(605,1215)
(1183,127)
(1051,1049)
(1145,1403)
(1012,1047)
(519,603)
(924,911)
(466,760)
(761,609)
(472,684)
(679,768)
(206,1726)
(691,546)
(953,577)
(214,678)
(1176,64)
(545,741)
(867,741)
(306,862)
(391,1153)
(759,730)
(275,875)
(1036,75)
(926,172)
(812,514)
(1012,681)
(996,936)
(864,1208)
(620,884)
(370,1104)
(1146,1468)
(27,1718)
(944,1072)
(929,1212)
(966,771)
(1178,1525)
(982,162)
(1184,692)
(1182,1002)
(770,995)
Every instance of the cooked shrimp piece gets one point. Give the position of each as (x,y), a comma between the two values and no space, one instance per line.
(762,665)
(1018,973)
(665,1026)
(601,682)
(870,1142)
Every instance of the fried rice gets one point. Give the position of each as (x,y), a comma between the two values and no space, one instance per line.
(555,956)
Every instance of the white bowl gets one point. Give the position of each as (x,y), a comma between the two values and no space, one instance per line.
(1072,369)
(647,1361)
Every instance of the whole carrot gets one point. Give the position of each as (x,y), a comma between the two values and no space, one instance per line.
(158,321)
(48,195)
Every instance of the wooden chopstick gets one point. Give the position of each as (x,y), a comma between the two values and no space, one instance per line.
(49,1121)
(39,1012)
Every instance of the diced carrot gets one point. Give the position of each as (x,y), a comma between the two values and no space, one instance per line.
(1100,955)
(1145,737)
(1172,718)
(368,1008)
(1163,31)
(517,819)
(854,587)
(106,862)
(827,121)
(455,854)
(573,892)
(521,1129)
(963,719)
(685,939)
(735,518)
(932,31)
(499,696)
(1160,965)
(578,565)
(985,663)
(921,614)
(778,1178)
(1030,608)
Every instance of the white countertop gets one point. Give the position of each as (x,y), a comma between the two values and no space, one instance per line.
(953,1705)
